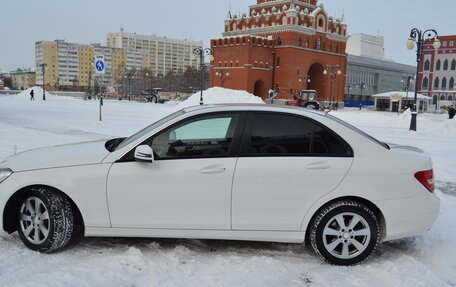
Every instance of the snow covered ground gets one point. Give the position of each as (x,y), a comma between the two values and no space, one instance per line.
(428,260)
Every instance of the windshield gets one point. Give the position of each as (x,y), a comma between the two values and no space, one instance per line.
(147,129)
(355,129)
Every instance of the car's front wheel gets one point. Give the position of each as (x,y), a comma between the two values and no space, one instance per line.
(45,220)
(345,232)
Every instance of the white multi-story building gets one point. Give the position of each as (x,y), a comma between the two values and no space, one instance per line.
(158,54)
(367,46)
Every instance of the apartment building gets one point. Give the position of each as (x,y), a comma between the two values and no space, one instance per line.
(70,65)
(158,54)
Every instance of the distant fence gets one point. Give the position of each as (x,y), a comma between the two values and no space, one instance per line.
(352,104)
(81,95)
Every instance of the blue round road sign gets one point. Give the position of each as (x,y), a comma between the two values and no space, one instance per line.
(99,65)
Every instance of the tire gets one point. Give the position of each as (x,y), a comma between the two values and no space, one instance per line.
(45,220)
(344,232)
(313,106)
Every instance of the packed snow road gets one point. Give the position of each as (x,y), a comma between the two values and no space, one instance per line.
(428,260)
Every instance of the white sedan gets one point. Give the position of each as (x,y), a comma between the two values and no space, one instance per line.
(237,172)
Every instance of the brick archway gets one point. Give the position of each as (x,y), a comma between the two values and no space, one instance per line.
(317,81)
(259,89)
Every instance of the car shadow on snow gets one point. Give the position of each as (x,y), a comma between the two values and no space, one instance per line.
(269,249)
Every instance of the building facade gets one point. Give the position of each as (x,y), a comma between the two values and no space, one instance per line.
(437,71)
(366,77)
(70,65)
(369,72)
(284,44)
(23,79)
(157,54)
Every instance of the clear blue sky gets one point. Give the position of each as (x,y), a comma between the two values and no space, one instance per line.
(24,22)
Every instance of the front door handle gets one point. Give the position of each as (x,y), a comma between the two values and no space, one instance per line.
(212,170)
(318,165)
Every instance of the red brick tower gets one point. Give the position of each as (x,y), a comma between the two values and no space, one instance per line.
(279,43)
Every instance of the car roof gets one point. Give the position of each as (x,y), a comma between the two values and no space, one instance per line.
(252,107)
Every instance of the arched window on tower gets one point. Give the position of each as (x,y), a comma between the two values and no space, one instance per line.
(425,83)
(436,83)
(444,81)
(307,44)
(437,65)
(451,86)
(427,65)
(320,23)
(453,65)
(445,65)
(279,41)
(299,42)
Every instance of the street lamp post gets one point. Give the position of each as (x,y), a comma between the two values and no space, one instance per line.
(222,74)
(408,79)
(418,37)
(201,53)
(43,66)
(334,70)
(362,85)
(304,79)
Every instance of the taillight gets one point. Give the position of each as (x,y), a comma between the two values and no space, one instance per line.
(426,178)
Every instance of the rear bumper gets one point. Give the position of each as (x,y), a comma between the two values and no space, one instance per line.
(409,216)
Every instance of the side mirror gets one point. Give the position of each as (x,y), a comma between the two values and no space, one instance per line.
(144,153)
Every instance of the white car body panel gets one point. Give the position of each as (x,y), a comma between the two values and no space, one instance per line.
(177,194)
(289,186)
(203,210)
(58,156)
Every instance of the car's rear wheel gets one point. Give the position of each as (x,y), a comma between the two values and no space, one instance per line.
(345,232)
(45,220)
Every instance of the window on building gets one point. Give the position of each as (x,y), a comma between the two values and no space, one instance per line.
(450,98)
(453,65)
(442,97)
(434,100)
(278,62)
(425,83)
(436,83)
(437,65)
(318,44)
(451,86)
(299,42)
(445,65)
(427,65)
(444,82)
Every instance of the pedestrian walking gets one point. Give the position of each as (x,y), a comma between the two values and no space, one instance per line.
(451,112)
(32,95)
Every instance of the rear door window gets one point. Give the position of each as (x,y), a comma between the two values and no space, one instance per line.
(275,134)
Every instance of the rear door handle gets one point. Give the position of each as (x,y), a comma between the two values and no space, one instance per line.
(318,165)
(212,170)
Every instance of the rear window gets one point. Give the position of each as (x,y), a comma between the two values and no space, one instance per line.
(358,131)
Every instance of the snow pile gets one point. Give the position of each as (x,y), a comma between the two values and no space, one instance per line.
(217,95)
(38,91)
(449,127)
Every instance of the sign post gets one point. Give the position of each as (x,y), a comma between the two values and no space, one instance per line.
(100,70)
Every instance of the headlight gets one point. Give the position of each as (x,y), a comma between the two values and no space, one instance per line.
(4,173)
